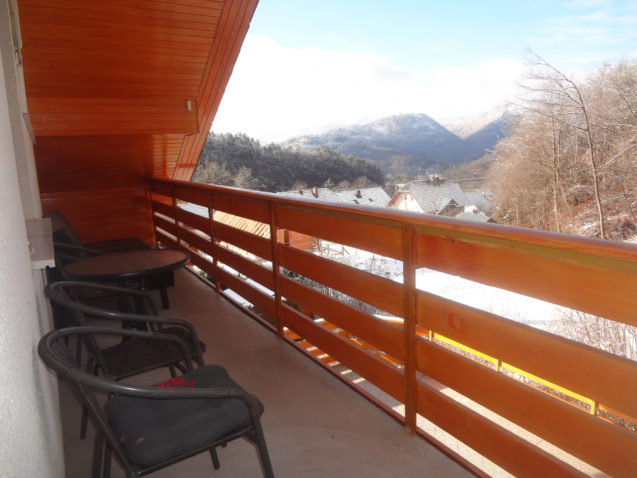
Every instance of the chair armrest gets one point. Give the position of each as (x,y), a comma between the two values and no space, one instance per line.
(74,371)
(52,292)
(192,332)
(131,390)
(154,321)
(61,364)
(73,247)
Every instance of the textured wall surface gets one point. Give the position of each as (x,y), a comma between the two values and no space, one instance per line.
(30,437)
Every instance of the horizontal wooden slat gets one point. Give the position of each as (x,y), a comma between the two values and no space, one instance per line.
(165,225)
(162,188)
(376,371)
(192,195)
(104,213)
(165,209)
(115,8)
(374,290)
(202,263)
(108,126)
(353,230)
(197,241)
(605,446)
(246,267)
(166,240)
(63,13)
(248,292)
(244,240)
(489,439)
(194,221)
(603,292)
(146,105)
(65,29)
(577,367)
(244,207)
(382,335)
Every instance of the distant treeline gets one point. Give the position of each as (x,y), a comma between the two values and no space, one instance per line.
(240,161)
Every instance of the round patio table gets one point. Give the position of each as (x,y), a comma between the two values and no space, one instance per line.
(126,266)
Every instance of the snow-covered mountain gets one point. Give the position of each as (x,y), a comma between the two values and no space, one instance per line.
(466,126)
(407,143)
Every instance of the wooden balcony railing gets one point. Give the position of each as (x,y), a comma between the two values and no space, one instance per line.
(434,344)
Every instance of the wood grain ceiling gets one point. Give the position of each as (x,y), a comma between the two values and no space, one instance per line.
(120,90)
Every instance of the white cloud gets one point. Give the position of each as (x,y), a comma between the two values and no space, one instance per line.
(276,92)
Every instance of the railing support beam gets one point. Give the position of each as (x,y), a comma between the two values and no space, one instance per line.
(409,329)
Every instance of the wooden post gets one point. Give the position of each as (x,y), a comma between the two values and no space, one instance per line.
(213,240)
(152,210)
(276,272)
(409,329)
(176,217)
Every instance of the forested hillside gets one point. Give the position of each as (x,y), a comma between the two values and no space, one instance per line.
(569,162)
(240,161)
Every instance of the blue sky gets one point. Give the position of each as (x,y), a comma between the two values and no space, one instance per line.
(308,66)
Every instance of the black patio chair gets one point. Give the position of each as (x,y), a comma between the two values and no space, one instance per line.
(68,247)
(132,309)
(149,428)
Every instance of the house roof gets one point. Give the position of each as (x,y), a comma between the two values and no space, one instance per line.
(475,217)
(374,196)
(247,225)
(434,196)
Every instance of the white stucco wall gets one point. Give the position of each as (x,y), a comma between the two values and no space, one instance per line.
(406,202)
(30,436)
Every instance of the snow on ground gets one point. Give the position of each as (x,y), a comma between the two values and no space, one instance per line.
(502,302)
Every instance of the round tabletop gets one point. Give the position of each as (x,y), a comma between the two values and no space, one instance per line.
(126,265)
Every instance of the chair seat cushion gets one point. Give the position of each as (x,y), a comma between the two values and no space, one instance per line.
(153,431)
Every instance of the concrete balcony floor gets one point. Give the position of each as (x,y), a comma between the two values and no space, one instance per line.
(315,425)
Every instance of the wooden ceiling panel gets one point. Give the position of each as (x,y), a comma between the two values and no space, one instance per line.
(127,10)
(106,213)
(134,49)
(95,162)
(115,91)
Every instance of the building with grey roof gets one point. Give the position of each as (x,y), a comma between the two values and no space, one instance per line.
(440,197)
(375,196)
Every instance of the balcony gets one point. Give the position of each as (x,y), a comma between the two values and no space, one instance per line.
(128,105)
(528,401)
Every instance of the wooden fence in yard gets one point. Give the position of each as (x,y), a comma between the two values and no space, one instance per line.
(596,277)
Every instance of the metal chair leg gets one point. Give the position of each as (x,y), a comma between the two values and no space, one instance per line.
(98,447)
(215,458)
(92,367)
(259,439)
(107,462)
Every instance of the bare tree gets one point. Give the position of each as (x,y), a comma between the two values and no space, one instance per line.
(614,337)
(211,172)
(566,105)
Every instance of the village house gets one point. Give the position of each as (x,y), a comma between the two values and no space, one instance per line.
(442,197)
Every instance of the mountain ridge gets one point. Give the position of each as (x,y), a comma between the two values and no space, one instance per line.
(406,143)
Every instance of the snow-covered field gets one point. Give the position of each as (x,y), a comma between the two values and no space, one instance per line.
(502,302)
(491,299)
